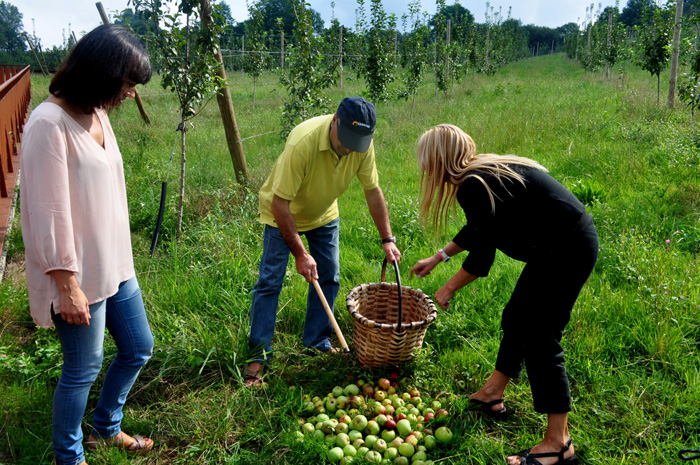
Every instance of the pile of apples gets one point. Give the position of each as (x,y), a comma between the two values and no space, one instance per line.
(375,422)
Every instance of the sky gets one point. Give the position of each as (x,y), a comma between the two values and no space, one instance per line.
(53,20)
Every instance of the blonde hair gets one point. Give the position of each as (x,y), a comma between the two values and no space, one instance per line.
(446,157)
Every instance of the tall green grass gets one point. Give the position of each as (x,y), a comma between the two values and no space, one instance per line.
(632,344)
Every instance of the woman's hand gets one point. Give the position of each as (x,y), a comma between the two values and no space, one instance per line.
(443,296)
(74,307)
(424,267)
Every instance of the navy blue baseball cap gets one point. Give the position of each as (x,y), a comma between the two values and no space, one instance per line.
(357,122)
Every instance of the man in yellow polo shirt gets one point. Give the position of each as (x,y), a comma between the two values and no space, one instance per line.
(322,155)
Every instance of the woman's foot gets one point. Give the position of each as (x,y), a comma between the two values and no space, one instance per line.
(491,392)
(132,445)
(546,453)
(253,375)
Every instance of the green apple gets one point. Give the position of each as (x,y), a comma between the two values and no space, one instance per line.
(341,428)
(373,456)
(347,460)
(337,391)
(404,427)
(372,427)
(407,450)
(379,445)
(370,440)
(388,435)
(335,454)
(342,440)
(362,451)
(354,435)
(443,434)
(391,453)
(401,460)
(322,417)
(351,390)
(420,455)
(328,427)
(349,451)
(358,423)
(308,428)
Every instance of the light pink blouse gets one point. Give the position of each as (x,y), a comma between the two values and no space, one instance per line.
(74,212)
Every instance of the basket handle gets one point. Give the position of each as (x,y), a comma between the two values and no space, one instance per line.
(398,280)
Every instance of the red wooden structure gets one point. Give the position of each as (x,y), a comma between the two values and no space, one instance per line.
(15,99)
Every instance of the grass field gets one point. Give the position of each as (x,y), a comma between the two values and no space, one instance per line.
(632,345)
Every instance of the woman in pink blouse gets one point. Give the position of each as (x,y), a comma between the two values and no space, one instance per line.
(75,225)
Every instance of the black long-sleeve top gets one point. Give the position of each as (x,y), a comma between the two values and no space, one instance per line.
(527,219)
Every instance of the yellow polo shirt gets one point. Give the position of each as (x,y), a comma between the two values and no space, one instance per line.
(311,176)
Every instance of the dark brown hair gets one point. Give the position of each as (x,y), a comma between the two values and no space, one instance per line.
(101,62)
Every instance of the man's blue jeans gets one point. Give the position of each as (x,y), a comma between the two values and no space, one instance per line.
(124,316)
(323,247)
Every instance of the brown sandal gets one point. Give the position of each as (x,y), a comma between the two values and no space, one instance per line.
(252,377)
(132,445)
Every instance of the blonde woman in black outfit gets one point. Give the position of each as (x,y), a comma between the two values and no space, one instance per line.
(513,205)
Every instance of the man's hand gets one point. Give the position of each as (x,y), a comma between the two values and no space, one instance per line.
(392,252)
(306,266)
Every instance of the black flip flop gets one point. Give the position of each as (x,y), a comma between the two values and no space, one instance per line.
(531,459)
(485,407)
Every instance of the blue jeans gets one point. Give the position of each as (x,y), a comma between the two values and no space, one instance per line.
(323,247)
(124,316)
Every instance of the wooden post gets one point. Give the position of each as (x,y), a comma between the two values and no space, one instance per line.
(340,60)
(137,97)
(674,55)
(31,46)
(233,137)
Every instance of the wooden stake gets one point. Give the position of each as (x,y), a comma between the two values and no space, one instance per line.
(137,97)
(223,97)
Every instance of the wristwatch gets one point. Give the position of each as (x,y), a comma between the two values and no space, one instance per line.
(389,239)
(443,255)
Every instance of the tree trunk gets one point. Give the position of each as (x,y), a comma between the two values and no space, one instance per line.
(674,56)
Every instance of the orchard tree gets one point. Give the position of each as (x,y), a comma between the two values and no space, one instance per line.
(689,89)
(306,77)
(379,63)
(654,44)
(254,61)
(189,64)
(415,52)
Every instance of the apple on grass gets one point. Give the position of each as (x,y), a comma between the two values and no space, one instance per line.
(443,435)
(388,435)
(373,457)
(335,454)
(391,453)
(372,427)
(358,423)
(403,427)
(351,390)
(354,434)
(370,440)
(337,391)
(407,450)
(342,440)
(349,451)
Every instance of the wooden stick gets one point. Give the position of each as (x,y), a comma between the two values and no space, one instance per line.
(331,317)
(137,97)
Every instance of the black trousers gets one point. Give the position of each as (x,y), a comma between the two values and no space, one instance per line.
(534,319)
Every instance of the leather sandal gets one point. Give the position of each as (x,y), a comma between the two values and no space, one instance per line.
(485,407)
(131,445)
(252,377)
(531,459)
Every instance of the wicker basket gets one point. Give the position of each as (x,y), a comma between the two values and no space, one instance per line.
(390,321)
